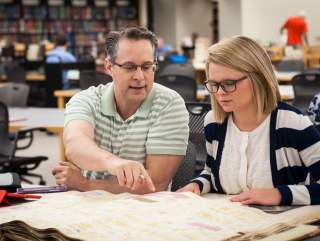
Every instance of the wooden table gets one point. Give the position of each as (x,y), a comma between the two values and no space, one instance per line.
(61,96)
(30,76)
(200,69)
(35,76)
(50,118)
(285,77)
(286,92)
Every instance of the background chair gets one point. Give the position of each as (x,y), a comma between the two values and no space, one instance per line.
(197,112)
(93,78)
(186,70)
(181,78)
(9,162)
(53,74)
(15,72)
(186,171)
(305,86)
(14,94)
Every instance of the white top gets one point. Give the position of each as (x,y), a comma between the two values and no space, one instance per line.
(245,161)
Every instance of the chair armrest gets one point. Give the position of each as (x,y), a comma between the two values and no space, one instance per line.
(26,133)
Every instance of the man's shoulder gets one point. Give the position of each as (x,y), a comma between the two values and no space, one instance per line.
(166,100)
(91,95)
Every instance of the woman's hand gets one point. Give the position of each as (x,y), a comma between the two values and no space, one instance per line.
(269,197)
(191,187)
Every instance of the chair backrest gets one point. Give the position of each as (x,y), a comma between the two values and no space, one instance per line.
(197,112)
(7,148)
(181,78)
(186,70)
(186,171)
(93,78)
(161,66)
(14,94)
(290,65)
(185,86)
(15,72)
(53,74)
(305,86)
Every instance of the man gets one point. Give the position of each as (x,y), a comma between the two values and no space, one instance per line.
(124,125)
(297,30)
(60,55)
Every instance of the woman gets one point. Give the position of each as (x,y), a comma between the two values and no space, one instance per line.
(259,148)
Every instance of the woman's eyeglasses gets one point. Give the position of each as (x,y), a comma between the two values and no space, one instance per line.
(227,86)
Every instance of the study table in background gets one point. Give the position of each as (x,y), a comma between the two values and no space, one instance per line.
(30,76)
(50,118)
(283,77)
(286,92)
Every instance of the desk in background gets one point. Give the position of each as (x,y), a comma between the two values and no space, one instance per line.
(50,118)
(35,76)
(30,76)
(283,77)
(61,96)
(200,69)
(286,92)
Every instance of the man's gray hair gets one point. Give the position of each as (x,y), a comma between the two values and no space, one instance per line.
(134,33)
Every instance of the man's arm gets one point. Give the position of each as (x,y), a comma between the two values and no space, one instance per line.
(161,169)
(81,149)
(84,153)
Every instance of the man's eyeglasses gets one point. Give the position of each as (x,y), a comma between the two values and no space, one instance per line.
(131,68)
(227,86)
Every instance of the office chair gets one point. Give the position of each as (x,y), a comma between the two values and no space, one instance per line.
(53,74)
(197,112)
(186,170)
(305,86)
(9,162)
(181,78)
(15,72)
(161,66)
(14,94)
(178,69)
(290,65)
(93,78)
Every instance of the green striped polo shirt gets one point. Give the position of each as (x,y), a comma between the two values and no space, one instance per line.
(158,127)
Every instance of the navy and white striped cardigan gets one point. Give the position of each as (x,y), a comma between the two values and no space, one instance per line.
(294,152)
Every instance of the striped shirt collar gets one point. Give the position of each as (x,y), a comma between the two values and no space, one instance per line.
(108,106)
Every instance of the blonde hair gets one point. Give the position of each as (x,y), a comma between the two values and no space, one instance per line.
(247,56)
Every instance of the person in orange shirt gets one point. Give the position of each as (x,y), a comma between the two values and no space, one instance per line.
(297,29)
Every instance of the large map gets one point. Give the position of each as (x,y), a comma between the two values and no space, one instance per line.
(99,215)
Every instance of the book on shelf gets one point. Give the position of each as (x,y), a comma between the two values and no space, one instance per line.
(95,215)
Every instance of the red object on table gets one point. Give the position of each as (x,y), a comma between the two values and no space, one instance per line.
(4,195)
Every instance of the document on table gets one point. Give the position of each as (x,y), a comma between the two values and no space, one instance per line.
(160,216)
